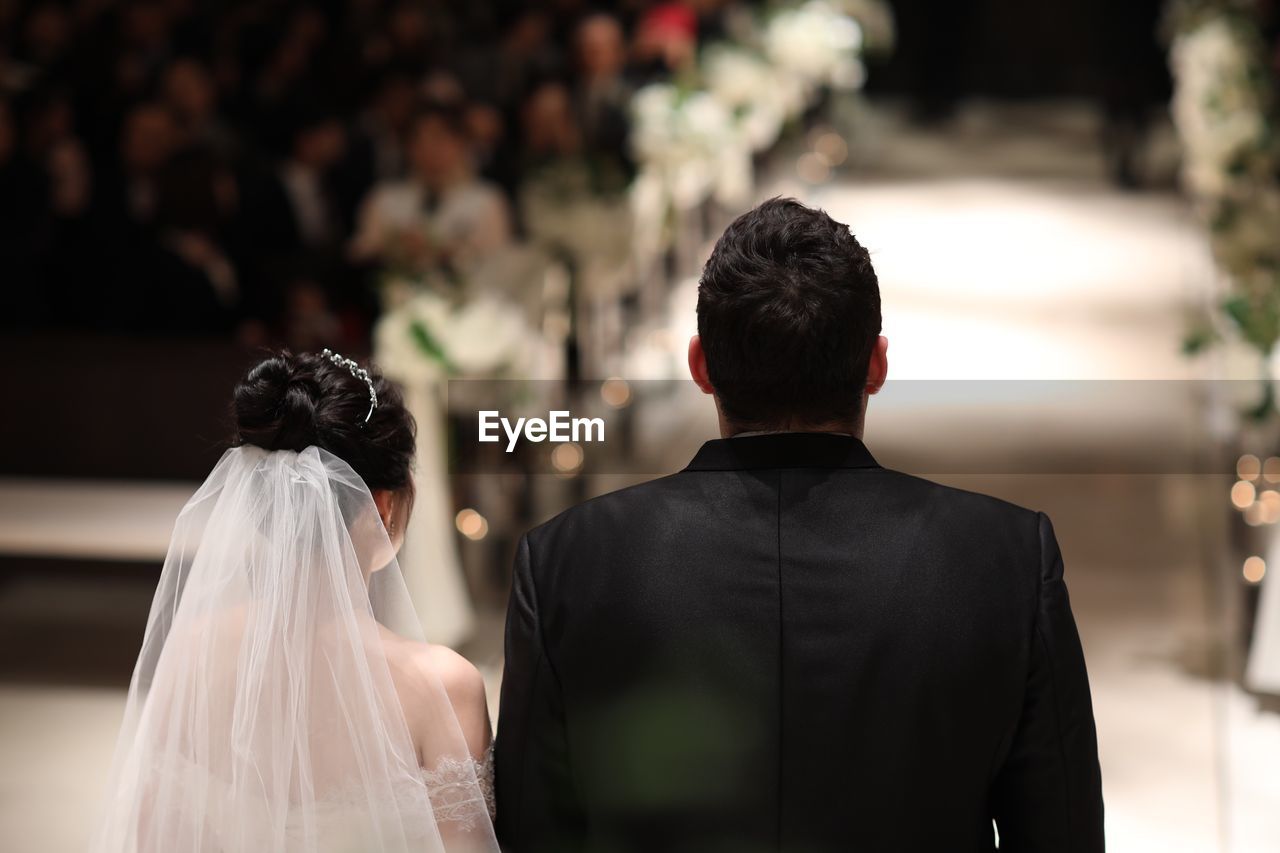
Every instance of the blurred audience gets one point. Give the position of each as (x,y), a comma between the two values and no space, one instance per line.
(256,168)
(441,216)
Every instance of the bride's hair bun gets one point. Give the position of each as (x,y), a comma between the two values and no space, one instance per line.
(275,405)
(291,402)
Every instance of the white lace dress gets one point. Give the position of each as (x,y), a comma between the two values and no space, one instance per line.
(461,791)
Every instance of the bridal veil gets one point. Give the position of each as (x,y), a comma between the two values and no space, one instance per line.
(263,714)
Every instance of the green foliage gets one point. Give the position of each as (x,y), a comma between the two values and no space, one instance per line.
(429,345)
(1265,407)
(1257,319)
(1199,338)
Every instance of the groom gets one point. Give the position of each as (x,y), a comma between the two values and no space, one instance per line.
(786,647)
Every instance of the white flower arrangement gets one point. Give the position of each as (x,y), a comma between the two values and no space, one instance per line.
(683,136)
(1224,109)
(692,143)
(1218,106)
(430,337)
(817,43)
(756,94)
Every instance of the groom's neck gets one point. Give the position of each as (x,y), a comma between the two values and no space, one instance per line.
(729,429)
(837,426)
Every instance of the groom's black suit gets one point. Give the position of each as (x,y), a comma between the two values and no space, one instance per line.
(786,647)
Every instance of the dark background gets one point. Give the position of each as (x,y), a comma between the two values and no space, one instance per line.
(104,378)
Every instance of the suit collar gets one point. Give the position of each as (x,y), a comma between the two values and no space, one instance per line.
(783,450)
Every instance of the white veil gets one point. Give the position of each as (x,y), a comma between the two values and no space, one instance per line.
(265,712)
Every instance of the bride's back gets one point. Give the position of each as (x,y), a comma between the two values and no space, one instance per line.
(281,701)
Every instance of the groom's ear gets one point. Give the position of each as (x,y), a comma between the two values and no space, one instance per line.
(878,365)
(698,365)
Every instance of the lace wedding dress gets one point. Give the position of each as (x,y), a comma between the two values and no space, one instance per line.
(265,710)
(461,791)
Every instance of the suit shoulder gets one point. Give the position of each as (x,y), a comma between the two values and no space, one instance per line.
(964,500)
(1005,533)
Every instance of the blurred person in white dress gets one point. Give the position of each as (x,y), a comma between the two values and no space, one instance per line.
(442,216)
(283,699)
(440,227)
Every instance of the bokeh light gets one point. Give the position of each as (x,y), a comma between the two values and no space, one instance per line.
(1248,467)
(616,393)
(812,168)
(471,524)
(1269,500)
(567,459)
(832,148)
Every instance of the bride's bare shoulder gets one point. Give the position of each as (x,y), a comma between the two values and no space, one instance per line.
(461,680)
(426,662)
(464,688)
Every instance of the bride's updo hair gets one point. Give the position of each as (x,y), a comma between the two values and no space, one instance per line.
(290,402)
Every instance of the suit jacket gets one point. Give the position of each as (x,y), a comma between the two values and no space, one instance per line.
(786,647)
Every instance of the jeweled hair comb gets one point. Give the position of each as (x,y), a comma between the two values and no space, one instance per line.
(358,372)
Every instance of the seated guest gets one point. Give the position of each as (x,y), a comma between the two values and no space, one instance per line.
(550,129)
(487,130)
(49,175)
(149,139)
(378,141)
(191,94)
(526,50)
(603,96)
(291,220)
(548,156)
(410,36)
(290,207)
(442,216)
(317,146)
(309,321)
(46,38)
(185,282)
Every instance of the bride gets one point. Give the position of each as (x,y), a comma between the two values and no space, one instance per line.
(283,700)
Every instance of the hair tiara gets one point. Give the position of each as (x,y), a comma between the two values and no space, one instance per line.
(359,373)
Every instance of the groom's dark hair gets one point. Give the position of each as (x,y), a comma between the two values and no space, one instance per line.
(788,313)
